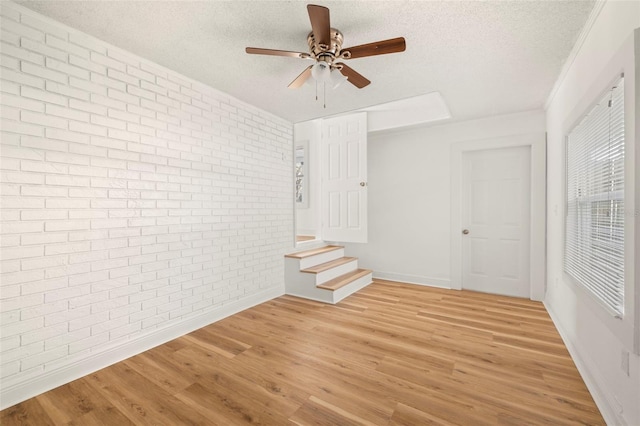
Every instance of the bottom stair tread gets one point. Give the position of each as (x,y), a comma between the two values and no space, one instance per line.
(344,280)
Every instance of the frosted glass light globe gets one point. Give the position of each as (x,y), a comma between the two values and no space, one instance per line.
(337,78)
(321,71)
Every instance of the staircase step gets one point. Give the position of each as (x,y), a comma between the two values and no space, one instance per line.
(344,280)
(328,265)
(313,252)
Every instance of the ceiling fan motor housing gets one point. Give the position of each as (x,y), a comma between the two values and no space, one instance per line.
(323,52)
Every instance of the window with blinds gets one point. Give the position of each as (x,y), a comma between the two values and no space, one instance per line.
(594,240)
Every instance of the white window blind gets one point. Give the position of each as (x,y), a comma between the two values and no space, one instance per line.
(594,243)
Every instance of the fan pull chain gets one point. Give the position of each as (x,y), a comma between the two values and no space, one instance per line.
(324,93)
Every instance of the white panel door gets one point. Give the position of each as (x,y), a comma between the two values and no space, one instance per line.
(496,221)
(344,178)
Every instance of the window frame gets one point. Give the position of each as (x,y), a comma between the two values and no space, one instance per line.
(599,294)
(622,61)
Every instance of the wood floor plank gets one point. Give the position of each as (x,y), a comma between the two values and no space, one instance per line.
(229,378)
(102,416)
(74,400)
(140,400)
(336,381)
(27,413)
(319,415)
(226,407)
(329,414)
(161,370)
(406,415)
(390,354)
(560,405)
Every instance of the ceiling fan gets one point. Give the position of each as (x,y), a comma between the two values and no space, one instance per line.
(325,49)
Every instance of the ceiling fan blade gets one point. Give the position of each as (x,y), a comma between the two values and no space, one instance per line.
(378,48)
(319,17)
(275,52)
(299,81)
(354,77)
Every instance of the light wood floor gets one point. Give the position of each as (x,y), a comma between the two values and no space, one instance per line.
(392,354)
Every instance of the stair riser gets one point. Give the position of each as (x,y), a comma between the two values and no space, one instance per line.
(293,277)
(324,276)
(311,261)
(351,288)
(328,296)
(316,294)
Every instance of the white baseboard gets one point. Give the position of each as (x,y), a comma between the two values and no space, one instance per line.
(591,376)
(412,279)
(12,394)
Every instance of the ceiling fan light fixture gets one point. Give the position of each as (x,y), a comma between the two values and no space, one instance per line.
(325,48)
(321,72)
(337,78)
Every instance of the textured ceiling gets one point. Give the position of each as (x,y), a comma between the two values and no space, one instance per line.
(484,57)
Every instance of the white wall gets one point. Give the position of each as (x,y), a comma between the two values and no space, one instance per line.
(410,196)
(137,205)
(596,340)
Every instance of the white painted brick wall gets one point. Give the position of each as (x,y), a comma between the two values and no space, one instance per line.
(132,197)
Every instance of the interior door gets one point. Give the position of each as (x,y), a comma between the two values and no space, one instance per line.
(496,193)
(344,178)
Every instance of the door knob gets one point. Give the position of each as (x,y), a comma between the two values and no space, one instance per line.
(363,183)
(465,231)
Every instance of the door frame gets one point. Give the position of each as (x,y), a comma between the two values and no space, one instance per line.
(537,241)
